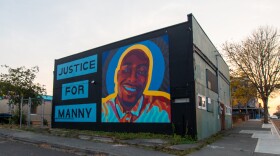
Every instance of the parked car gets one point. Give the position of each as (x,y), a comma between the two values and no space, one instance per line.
(273,117)
(4,117)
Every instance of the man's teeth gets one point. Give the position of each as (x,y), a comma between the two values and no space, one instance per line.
(131,89)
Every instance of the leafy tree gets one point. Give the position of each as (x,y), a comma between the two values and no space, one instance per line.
(19,82)
(242,90)
(258,59)
(277,111)
(278,108)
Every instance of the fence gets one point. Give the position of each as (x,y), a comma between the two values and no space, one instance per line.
(36,113)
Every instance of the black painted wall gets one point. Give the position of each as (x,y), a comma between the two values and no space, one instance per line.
(181,85)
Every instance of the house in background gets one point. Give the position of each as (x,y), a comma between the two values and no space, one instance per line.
(245,104)
(251,110)
(36,113)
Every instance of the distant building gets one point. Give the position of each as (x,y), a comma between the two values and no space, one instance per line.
(171,80)
(252,109)
(36,113)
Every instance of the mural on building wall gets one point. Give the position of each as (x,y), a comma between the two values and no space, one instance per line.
(136,83)
(78,112)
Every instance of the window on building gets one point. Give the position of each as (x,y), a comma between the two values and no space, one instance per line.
(201,102)
(33,109)
(199,98)
(209,85)
(211,81)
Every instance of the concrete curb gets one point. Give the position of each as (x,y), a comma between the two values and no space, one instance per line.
(56,146)
(277,130)
(151,144)
(82,146)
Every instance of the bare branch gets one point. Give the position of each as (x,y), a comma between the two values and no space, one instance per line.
(258,58)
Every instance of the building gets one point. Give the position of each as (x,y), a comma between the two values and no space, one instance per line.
(36,113)
(251,110)
(171,80)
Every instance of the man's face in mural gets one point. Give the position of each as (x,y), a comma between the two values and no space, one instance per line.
(132,77)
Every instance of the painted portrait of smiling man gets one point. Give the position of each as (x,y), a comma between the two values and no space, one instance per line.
(132,78)
(135,91)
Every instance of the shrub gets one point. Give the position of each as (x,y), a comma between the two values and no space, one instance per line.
(45,122)
(16,118)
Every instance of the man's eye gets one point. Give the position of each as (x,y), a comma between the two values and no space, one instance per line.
(142,72)
(126,70)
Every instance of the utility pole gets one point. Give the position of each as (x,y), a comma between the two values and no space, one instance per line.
(29,111)
(42,113)
(20,120)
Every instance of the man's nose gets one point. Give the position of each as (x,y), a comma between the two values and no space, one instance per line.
(133,76)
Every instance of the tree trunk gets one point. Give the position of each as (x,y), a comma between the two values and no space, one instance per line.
(265,103)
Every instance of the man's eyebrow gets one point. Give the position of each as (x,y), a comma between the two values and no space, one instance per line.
(126,64)
(142,65)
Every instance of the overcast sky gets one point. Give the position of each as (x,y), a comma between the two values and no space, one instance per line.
(36,32)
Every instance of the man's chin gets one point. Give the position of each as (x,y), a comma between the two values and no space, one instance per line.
(130,102)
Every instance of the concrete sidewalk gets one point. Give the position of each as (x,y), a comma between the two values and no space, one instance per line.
(78,145)
(268,142)
(251,138)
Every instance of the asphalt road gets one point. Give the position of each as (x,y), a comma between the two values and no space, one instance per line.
(10,147)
